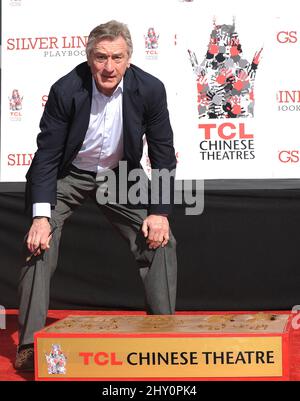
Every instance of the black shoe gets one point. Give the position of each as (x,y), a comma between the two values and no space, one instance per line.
(25,358)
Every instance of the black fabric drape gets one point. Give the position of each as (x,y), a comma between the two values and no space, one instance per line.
(240,254)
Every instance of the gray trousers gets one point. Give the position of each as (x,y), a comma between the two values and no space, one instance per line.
(158,268)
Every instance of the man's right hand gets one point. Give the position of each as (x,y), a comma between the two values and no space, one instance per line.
(38,236)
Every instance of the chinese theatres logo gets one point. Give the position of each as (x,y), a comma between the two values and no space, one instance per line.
(15,101)
(56,361)
(15,106)
(225,79)
(151,44)
(151,39)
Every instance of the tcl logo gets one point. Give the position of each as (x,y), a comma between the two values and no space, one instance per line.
(225,131)
(100,358)
(289,156)
(287,37)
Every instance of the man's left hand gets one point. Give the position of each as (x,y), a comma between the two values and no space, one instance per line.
(156,229)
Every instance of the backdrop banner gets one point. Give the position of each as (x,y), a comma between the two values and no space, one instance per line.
(229,71)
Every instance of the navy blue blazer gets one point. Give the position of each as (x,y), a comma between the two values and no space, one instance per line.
(66,118)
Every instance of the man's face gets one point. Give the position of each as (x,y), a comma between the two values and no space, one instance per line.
(108,61)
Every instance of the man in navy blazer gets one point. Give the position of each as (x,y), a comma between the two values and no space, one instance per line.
(96,117)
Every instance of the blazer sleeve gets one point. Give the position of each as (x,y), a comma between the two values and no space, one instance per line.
(54,124)
(161,151)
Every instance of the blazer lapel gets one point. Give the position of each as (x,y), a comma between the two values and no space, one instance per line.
(132,103)
(80,123)
(132,117)
(83,101)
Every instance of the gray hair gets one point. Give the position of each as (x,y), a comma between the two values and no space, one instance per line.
(112,30)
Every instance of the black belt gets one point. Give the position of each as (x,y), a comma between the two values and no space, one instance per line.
(92,173)
(80,171)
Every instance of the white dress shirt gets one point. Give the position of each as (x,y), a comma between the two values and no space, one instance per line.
(102,148)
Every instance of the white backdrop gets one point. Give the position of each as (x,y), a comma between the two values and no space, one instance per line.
(43,40)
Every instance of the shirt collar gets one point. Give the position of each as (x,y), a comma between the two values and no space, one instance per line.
(118,89)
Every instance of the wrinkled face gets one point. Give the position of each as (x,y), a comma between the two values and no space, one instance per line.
(108,61)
